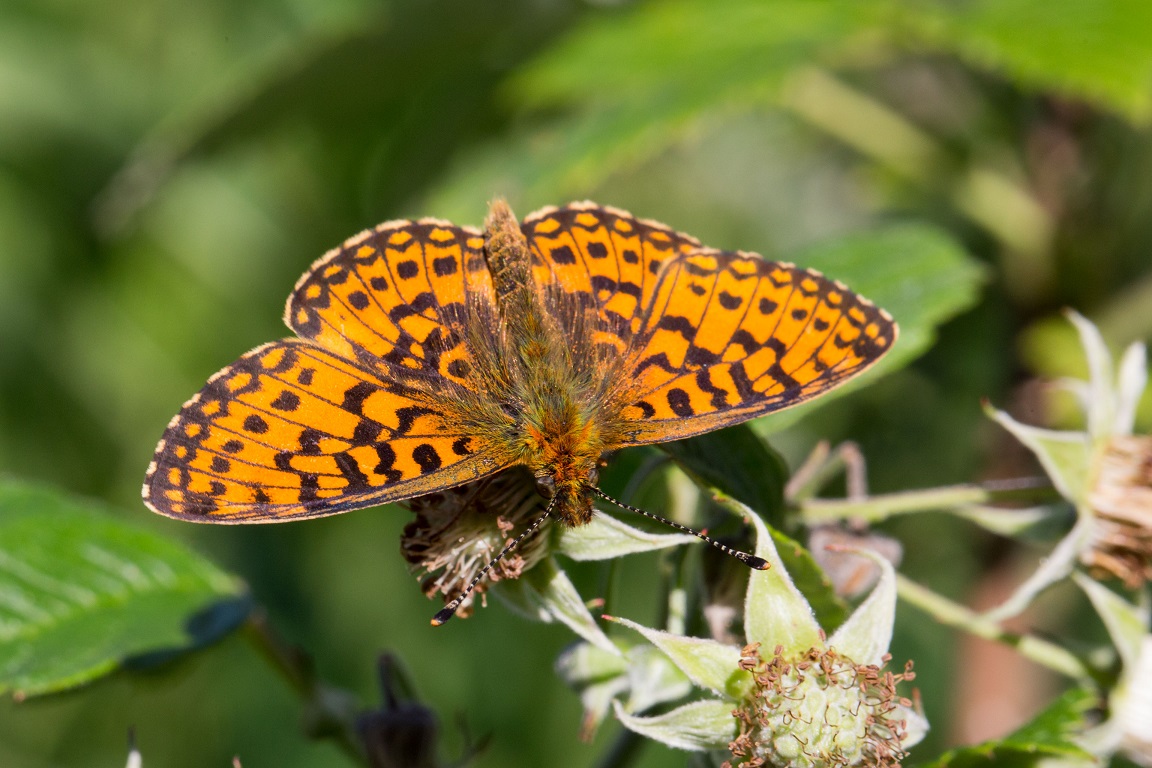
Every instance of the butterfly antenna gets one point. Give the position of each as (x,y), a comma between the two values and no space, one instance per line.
(449,610)
(752,561)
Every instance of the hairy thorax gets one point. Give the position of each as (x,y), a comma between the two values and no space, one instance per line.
(563,450)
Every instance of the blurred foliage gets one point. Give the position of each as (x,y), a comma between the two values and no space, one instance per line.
(168,169)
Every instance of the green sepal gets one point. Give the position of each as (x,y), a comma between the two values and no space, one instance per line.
(775,612)
(605,537)
(1065,456)
(866,635)
(707,663)
(545,593)
(699,726)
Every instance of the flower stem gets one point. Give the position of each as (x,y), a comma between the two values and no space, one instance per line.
(624,751)
(325,703)
(879,507)
(955,615)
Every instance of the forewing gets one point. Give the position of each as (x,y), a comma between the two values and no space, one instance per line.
(603,258)
(396,299)
(292,430)
(731,336)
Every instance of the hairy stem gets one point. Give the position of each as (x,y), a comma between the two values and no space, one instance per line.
(330,709)
(953,614)
(880,507)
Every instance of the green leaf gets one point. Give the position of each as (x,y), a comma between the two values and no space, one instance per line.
(738,463)
(918,273)
(1095,49)
(1052,733)
(672,65)
(80,592)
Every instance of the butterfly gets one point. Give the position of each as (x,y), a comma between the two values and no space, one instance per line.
(430,355)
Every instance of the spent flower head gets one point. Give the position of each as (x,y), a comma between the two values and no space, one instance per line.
(1103,471)
(456,533)
(791,697)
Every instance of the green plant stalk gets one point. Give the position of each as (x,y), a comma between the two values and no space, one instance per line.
(296,668)
(880,507)
(953,614)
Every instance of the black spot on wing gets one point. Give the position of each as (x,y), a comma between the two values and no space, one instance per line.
(357,480)
(286,401)
(728,301)
(680,325)
(387,456)
(427,457)
(444,266)
(563,255)
(680,403)
(255,424)
(355,396)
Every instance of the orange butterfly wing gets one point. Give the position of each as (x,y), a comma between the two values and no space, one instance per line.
(730,336)
(607,259)
(291,430)
(396,299)
(359,413)
(709,338)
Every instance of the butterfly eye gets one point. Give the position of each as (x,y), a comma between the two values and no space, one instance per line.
(546,486)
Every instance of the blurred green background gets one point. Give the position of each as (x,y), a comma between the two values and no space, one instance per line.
(168,169)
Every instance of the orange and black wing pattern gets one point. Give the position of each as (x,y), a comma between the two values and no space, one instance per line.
(291,430)
(606,259)
(396,299)
(709,338)
(730,336)
(356,414)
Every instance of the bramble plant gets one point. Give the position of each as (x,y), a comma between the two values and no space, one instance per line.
(978,169)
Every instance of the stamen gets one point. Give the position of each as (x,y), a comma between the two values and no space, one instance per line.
(752,561)
(449,610)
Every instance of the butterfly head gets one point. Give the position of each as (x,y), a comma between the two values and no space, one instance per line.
(571,492)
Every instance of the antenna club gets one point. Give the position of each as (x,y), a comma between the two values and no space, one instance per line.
(442,616)
(759,563)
